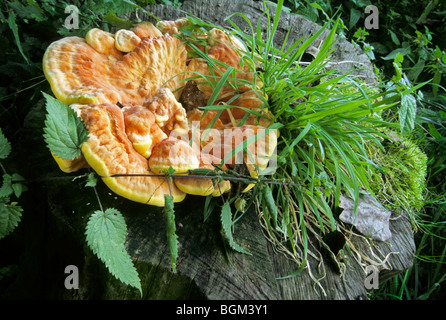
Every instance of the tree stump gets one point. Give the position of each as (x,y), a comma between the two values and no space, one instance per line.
(57,211)
(219,273)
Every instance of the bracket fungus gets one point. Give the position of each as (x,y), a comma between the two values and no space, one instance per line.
(141,129)
(173,153)
(93,70)
(111,154)
(126,88)
(207,186)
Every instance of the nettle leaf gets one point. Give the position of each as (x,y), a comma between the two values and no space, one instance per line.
(10,215)
(226,222)
(106,232)
(172,239)
(64,130)
(8,186)
(5,146)
(6,189)
(407,113)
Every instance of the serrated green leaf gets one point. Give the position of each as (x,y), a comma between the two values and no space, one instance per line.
(64,130)
(407,113)
(226,223)
(6,189)
(5,146)
(106,232)
(10,216)
(91,180)
(17,186)
(172,239)
(30,11)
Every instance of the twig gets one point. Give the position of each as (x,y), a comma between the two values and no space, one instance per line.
(3,168)
(97,197)
(247,180)
(44,179)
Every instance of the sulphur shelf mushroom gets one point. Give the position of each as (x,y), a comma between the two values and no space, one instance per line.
(126,86)
(173,153)
(205,186)
(111,154)
(93,70)
(142,130)
(126,40)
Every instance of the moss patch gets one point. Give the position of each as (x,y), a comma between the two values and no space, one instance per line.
(400,182)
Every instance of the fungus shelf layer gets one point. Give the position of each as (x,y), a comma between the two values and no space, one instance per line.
(126,88)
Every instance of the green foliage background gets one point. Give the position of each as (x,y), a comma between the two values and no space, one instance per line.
(409,45)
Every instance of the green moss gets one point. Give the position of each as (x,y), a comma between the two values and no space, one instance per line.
(400,181)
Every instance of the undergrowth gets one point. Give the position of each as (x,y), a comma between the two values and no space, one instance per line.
(408,41)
